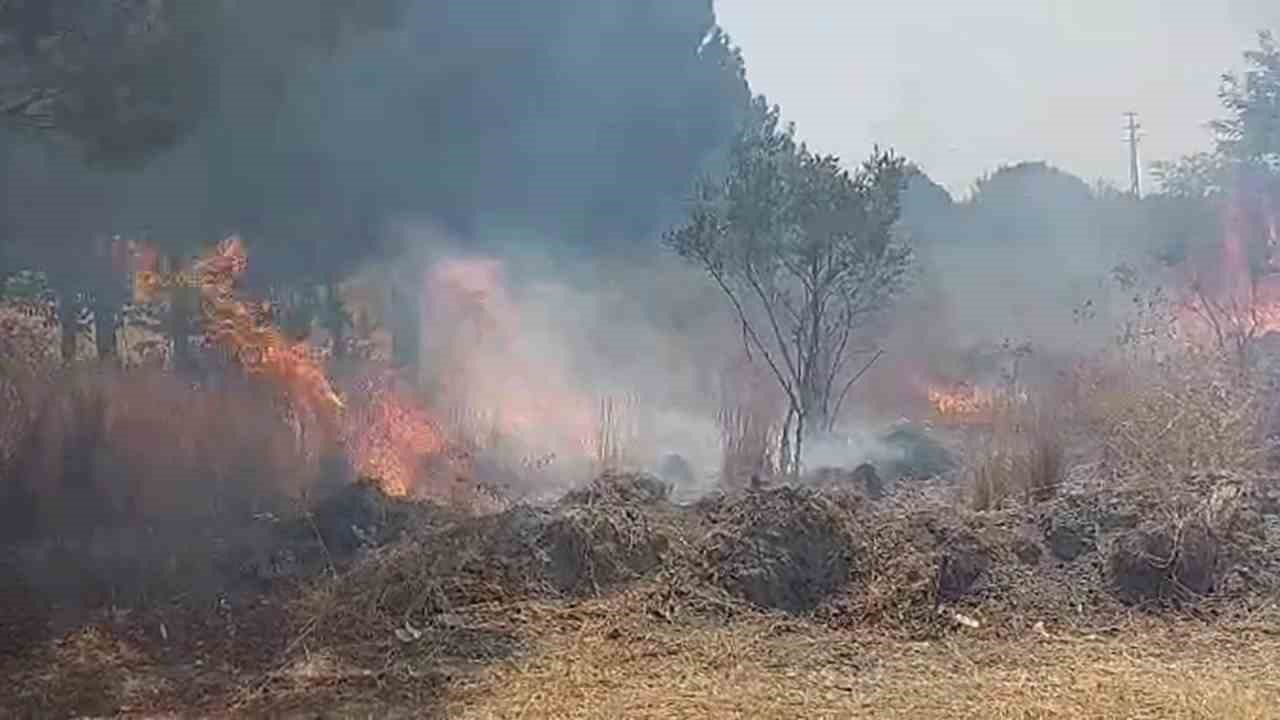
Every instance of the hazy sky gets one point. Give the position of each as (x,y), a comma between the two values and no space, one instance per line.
(961,87)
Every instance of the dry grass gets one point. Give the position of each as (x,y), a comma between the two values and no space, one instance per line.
(1188,413)
(1023,459)
(749,445)
(607,658)
(616,435)
(595,538)
(615,666)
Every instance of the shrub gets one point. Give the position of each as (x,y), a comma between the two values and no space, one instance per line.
(1187,413)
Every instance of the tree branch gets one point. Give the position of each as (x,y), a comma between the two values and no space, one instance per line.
(835,413)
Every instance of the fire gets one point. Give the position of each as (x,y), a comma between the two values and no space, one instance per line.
(968,403)
(1232,303)
(240,328)
(961,400)
(386,436)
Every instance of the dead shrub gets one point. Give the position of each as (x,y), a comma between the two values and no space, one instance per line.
(1183,432)
(1188,412)
(627,488)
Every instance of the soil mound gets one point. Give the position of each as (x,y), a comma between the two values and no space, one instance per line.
(1154,564)
(919,454)
(784,548)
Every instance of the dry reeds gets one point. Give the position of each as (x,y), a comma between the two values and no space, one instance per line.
(141,480)
(1023,459)
(616,433)
(749,447)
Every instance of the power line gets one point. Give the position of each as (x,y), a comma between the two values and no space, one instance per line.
(1135,174)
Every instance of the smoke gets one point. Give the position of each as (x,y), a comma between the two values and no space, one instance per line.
(535,159)
(1014,282)
(588,359)
(580,122)
(531,163)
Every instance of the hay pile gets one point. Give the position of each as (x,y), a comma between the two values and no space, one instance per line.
(607,534)
(783,549)
(908,562)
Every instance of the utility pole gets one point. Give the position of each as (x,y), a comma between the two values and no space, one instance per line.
(1135,173)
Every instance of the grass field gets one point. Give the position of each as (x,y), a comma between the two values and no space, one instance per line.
(767,669)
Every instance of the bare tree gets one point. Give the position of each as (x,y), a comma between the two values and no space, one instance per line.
(806,254)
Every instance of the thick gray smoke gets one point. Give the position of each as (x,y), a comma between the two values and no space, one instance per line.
(548,148)
(583,122)
(1028,260)
(551,141)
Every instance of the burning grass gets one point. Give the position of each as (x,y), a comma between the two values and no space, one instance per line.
(402,598)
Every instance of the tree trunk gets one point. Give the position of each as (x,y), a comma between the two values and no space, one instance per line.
(784,451)
(182,311)
(104,331)
(69,323)
(405,334)
(335,322)
(799,449)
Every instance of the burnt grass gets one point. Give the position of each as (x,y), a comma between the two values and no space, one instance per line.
(369,594)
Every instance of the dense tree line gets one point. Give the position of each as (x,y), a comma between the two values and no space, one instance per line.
(308,125)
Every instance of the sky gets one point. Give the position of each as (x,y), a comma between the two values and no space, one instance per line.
(963,87)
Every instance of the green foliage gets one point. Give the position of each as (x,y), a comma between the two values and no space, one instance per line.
(1251,130)
(129,79)
(807,254)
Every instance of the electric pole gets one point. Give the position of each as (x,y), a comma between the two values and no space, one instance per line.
(1135,173)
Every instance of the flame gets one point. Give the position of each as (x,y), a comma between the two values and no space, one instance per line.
(385,435)
(966,402)
(961,400)
(240,328)
(1231,303)
(388,437)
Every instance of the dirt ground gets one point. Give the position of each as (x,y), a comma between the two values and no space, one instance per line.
(780,603)
(609,658)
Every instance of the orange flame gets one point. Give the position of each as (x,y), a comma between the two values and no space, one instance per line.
(389,438)
(967,403)
(1233,304)
(961,400)
(241,330)
(385,435)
